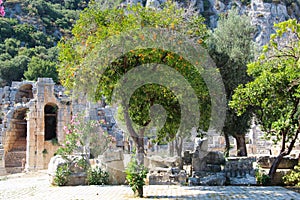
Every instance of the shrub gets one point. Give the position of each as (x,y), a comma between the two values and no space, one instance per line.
(62,174)
(96,176)
(135,175)
(293,177)
(262,179)
(82,163)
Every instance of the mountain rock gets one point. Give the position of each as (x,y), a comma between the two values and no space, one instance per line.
(263,13)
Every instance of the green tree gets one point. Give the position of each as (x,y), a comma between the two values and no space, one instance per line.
(94,26)
(13,70)
(38,68)
(12,46)
(231,47)
(6,28)
(275,91)
(23,32)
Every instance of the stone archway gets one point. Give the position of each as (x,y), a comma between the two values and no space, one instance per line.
(50,120)
(17,141)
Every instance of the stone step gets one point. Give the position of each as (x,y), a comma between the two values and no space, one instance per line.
(20,142)
(13,170)
(14,158)
(20,145)
(19,148)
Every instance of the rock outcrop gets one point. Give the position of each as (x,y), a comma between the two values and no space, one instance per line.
(263,13)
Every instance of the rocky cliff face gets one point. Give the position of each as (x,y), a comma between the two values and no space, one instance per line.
(263,13)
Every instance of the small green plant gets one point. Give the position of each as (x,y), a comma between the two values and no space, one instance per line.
(82,163)
(44,151)
(96,176)
(135,175)
(262,179)
(54,141)
(293,177)
(62,174)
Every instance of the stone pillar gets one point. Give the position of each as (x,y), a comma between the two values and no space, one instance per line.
(60,125)
(2,163)
(31,139)
(39,135)
(39,151)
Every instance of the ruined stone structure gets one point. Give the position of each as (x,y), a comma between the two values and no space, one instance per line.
(32,120)
(33,115)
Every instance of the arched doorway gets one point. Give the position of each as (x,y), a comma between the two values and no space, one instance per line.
(17,141)
(50,120)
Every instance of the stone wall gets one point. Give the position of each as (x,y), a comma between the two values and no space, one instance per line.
(240,170)
(113,162)
(24,125)
(33,115)
(36,125)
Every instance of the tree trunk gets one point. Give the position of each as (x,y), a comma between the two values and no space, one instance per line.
(275,165)
(140,150)
(227,145)
(138,139)
(178,147)
(171,148)
(241,145)
(140,192)
(283,153)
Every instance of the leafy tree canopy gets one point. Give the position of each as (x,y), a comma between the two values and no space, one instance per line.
(231,47)
(275,91)
(39,68)
(13,69)
(96,25)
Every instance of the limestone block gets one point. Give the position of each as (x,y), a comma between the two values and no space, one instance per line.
(113,155)
(194,181)
(286,162)
(215,158)
(117,175)
(198,163)
(54,163)
(154,161)
(217,179)
(78,175)
(172,161)
(247,180)
(213,168)
(77,179)
(162,176)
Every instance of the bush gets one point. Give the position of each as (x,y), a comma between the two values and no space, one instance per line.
(96,176)
(135,175)
(62,174)
(262,179)
(293,177)
(38,67)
